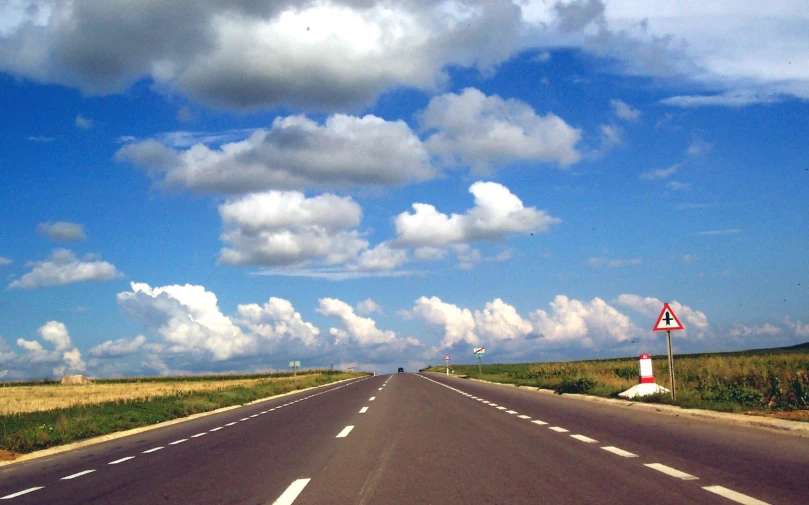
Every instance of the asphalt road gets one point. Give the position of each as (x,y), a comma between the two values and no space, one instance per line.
(408,438)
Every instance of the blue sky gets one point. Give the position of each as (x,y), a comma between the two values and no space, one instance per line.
(229,186)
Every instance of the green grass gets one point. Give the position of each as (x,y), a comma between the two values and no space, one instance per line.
(23,433)
(774,380)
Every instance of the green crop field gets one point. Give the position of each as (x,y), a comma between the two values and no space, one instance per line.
(772,382)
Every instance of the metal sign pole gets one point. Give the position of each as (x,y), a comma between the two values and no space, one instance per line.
(447,368)
(671,365)
(480,368)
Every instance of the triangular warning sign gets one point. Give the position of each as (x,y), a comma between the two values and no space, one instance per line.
(667,320)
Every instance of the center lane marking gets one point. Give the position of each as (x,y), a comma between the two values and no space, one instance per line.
(152,450)
(620,452)
(733,495)
(372,398)
(363,410)
(345,432)
(178,441)
(199,435)
(523,416)
(20,493)
(121,460)
(70,477)
(557,429)
(586,440)
(292,492)
(672,472)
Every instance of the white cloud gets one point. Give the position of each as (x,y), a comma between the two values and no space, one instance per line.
(277,319)
(797,327)
(63,357)
(5,261)
(587,324)
(614,263)
(727,231)
(693,320)
(278,228)
(381,257)
(118,348)
(187,318)
(690,258)
(660,173)
(677,186)
(766,330)
(699,148)
(368,306)
(458,324)
(543,57)
(62,231)
(65,268)
(500,321)
(485,131)
(363,330)
(84,123)
(497,212)
(611,137)
(295,153)
(623,110)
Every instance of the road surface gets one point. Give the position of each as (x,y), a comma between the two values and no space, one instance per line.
(425,439)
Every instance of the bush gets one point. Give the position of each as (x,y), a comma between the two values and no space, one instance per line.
(575,385)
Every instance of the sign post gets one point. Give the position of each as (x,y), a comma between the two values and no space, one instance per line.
(479,353)
(446,359)
(294,365)
(667,321)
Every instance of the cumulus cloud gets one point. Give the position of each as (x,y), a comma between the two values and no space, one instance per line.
(278,319)
(497,212)
(368,306)
(458,324)
(62,231)
(500,321)
(381,257)
(250,54)
(63,357)
(65,268)
(797,327)
(485,131)
(694,321)
(278,228)
(623,110)
(84,123)
(765,330)
(295,153)
(363,330)
(5,261)
(587,324)
(187,318)
(118,348)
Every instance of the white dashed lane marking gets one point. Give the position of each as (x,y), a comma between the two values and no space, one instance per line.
(288,497)
(244,419)
(620,452)
(537,421)
(372,398)
(152,450)
(231,424)
(584,439)
(733,495)
(178,441)
(363,410)
(345,432)
(20,493)
(557,429)
(75,475)
(523,416)
(217,429)
(672,472)
(121,460)
(512,412)
(199,435)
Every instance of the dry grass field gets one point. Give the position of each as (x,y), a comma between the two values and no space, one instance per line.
(20,399)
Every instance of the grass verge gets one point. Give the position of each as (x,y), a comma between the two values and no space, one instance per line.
(26,432)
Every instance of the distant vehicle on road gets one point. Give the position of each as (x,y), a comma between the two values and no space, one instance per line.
(401,370)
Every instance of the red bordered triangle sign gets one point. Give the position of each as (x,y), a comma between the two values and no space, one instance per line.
(667,320)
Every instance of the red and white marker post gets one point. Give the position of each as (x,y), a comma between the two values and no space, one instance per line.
(646,375)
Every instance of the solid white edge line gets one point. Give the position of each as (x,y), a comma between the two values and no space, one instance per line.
(733,495)
(363,410)
(178,441)
(20,493)
(152,450)
(619,452)
(345,432)
(558,429)
(586,440)
(672,472)
(69,477)
(121,460)
(537,421)
(288,497)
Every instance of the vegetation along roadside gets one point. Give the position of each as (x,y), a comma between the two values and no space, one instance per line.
(23,432)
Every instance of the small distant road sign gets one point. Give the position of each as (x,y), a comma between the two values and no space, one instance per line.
(294,364)
(667,320)
(479,350)
(446,357)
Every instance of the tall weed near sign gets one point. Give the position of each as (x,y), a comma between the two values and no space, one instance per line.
(766,381)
